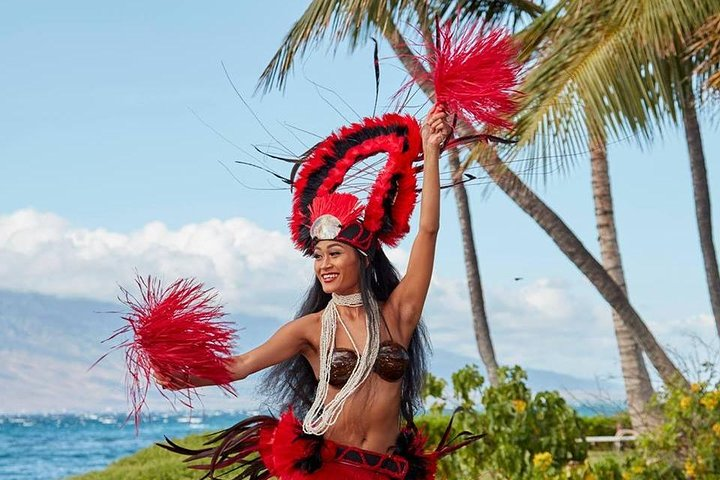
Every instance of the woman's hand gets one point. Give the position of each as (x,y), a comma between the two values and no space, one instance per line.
(435,129)
(176,381)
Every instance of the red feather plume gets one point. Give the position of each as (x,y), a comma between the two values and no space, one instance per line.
(176,332)
(475,72)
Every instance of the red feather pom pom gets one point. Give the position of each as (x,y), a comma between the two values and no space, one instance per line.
(176,333)
(475,73)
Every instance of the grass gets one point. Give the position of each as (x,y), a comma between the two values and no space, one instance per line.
(152,463)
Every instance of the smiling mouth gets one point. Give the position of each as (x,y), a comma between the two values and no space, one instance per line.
(329,277)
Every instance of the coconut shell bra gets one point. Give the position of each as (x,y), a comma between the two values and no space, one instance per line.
(391,363)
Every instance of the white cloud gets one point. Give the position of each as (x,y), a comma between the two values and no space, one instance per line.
(545,324)
(256,271)
(552,325)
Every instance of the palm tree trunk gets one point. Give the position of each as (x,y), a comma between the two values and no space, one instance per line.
(702,199)
(472,272)
(548,220)
(638,387)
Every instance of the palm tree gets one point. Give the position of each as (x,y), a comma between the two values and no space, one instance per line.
(548,30)
(355,19)
(627,66)
(706,50)
(701,190)
(638,387)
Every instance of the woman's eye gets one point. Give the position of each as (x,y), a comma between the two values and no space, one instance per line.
(316,256)
(335,254)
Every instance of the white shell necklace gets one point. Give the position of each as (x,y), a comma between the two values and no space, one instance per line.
(320,417)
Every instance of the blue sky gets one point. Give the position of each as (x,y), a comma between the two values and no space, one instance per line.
(98,143)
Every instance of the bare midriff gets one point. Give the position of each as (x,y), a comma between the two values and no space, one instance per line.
(370,418)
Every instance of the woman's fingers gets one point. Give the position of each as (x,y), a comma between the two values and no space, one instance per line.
(437,124)
(175,381)
(435,117)
(435,128)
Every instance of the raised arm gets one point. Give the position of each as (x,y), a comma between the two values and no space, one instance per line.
(408,299)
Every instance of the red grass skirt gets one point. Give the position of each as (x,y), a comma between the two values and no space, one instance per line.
(262,447)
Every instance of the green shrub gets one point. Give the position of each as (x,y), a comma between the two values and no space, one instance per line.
(687,444)
(527,436)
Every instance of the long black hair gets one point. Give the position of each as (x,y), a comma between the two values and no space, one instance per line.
(292,383)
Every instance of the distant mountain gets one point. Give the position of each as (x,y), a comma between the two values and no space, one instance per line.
(47,345)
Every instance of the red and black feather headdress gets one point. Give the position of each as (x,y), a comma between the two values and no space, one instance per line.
(321,213)
(474,74)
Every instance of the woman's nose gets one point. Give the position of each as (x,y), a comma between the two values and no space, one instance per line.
(325,262)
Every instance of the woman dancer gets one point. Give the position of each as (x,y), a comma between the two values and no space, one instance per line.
(349,369)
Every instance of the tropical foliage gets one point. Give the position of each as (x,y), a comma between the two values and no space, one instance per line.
(527,434)
(706,46)
(607,59)
(537,436)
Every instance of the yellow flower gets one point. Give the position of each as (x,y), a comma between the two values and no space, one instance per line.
(589,476)
(685,402)
(542,461)
(519,405)
(695,387)
(638,469)
(625,476)
(710,401)
(689,469)
(716,429)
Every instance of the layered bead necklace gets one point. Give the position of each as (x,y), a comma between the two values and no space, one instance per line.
(320,417)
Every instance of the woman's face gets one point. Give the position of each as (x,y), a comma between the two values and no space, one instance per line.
(337,266)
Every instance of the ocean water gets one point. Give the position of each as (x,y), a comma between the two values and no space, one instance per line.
(52,447)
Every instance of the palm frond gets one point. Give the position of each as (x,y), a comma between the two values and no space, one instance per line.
(354,20)
(357,20)
(705,48)
(506,12)
(597,64)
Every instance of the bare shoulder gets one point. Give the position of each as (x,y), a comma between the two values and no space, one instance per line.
(309,327)
(309,320)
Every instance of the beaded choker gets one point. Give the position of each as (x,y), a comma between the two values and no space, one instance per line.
(352,300)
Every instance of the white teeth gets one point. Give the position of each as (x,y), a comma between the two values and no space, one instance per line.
(329,276)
